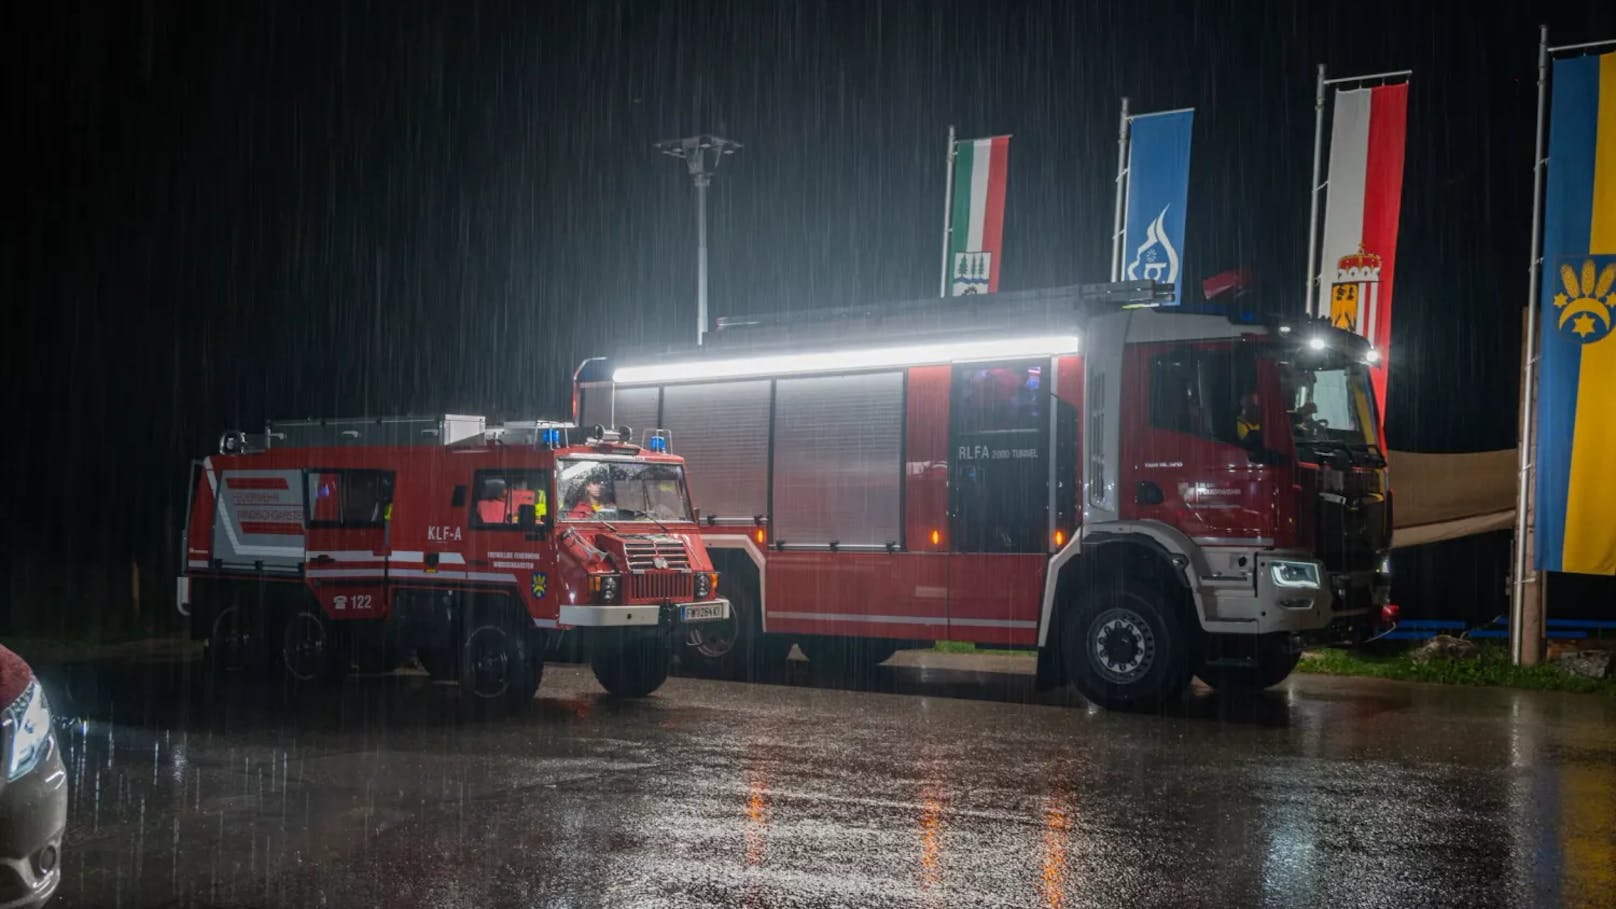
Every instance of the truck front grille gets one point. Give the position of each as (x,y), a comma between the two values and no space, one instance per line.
(679,586)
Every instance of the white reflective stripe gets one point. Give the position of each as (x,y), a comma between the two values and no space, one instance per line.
(451,558)
(628,616)
(407,555)
(207,471)
(544,623)
(196,563)
(452,575)
(872,619)
(906,620)
(182,595)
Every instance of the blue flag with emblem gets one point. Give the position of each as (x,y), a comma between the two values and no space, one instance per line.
(1576,431)
(1158,190)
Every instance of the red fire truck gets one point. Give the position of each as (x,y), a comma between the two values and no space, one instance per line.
(1140,493)
(323,543)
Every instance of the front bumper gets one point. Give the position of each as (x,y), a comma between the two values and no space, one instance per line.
(33,817)
(1342,608)
(645,615)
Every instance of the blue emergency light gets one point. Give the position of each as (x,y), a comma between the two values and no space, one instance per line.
(552,437)
(658,444)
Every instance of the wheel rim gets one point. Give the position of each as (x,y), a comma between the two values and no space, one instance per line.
(305,646)
(1121,646)
(713,640)
(231,639)
(489,662)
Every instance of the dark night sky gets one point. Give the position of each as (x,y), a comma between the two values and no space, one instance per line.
(223,212)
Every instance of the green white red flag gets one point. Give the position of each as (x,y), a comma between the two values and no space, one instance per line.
(976,215)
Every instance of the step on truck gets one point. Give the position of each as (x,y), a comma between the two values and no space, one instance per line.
(1138,492)
(322,545)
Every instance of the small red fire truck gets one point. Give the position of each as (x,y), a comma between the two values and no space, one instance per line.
(324,543)
(1141,493)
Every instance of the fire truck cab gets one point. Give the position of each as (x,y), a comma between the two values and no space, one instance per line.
(325,543)
(1140,493)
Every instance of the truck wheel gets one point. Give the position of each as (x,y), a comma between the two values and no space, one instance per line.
(312,650)
(500,663)
(1272,662)
(1125,647)
(235,642)
(632,667)
(847,659)
(734,648)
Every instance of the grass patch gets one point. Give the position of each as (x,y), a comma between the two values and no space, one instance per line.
(968,647)
(1490,667)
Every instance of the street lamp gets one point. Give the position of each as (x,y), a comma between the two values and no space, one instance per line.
(701,155)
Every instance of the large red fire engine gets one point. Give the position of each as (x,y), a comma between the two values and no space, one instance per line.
(327,542)
(1141,493)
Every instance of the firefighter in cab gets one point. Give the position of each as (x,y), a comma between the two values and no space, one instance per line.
(595,496)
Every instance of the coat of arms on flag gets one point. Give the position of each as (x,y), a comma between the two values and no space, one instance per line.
(971,272)
(1356,292)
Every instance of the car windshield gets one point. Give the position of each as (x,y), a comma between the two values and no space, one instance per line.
(1329,400)
(596,490)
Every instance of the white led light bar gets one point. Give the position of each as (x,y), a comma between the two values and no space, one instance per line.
(846,360)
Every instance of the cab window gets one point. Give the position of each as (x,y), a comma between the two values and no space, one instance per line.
(1200,391)
(498,496)
(348,498)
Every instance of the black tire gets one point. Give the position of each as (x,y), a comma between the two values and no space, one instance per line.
(734,648)
(1271,663)
(847,659)
(312,650)
(501,660)
(631,666)
(1125,646)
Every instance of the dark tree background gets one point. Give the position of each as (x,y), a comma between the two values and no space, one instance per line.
(222,212)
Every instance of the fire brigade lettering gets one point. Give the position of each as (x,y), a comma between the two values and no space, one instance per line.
(443,533)
(984,453)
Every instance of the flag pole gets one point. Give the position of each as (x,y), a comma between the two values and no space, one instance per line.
(1122,180)
(1313,208)
(948,211)
(1518,606)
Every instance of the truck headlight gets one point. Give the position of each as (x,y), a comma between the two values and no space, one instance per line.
(704,585)
(606,587)
(1294,574)
(30,721)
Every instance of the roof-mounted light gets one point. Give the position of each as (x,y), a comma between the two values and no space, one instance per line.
(844,360)
(1372,357)
(1316,342)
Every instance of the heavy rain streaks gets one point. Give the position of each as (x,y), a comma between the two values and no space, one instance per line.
(229,214)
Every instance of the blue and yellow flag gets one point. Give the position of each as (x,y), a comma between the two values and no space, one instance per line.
(1576,431)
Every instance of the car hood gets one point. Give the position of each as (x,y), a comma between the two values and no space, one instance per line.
(14,676)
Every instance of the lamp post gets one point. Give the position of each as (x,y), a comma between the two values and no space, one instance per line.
(701,155)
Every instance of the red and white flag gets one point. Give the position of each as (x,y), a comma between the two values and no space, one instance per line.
(1359,253)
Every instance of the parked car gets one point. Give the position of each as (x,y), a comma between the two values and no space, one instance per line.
(33,790)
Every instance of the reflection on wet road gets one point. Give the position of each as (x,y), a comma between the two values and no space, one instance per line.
(942,788)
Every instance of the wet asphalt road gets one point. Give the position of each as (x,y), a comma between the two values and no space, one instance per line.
(932,787)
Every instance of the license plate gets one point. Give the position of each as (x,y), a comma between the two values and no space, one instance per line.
(703,612)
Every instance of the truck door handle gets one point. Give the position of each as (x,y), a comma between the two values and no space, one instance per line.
(1148,493)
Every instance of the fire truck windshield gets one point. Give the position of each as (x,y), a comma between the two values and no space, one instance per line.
(1328,398)
(601,490)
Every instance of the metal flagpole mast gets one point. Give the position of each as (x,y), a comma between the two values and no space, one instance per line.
(1525,457)
(1122,179)
(1313,208)
(694,152)
(948,211)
